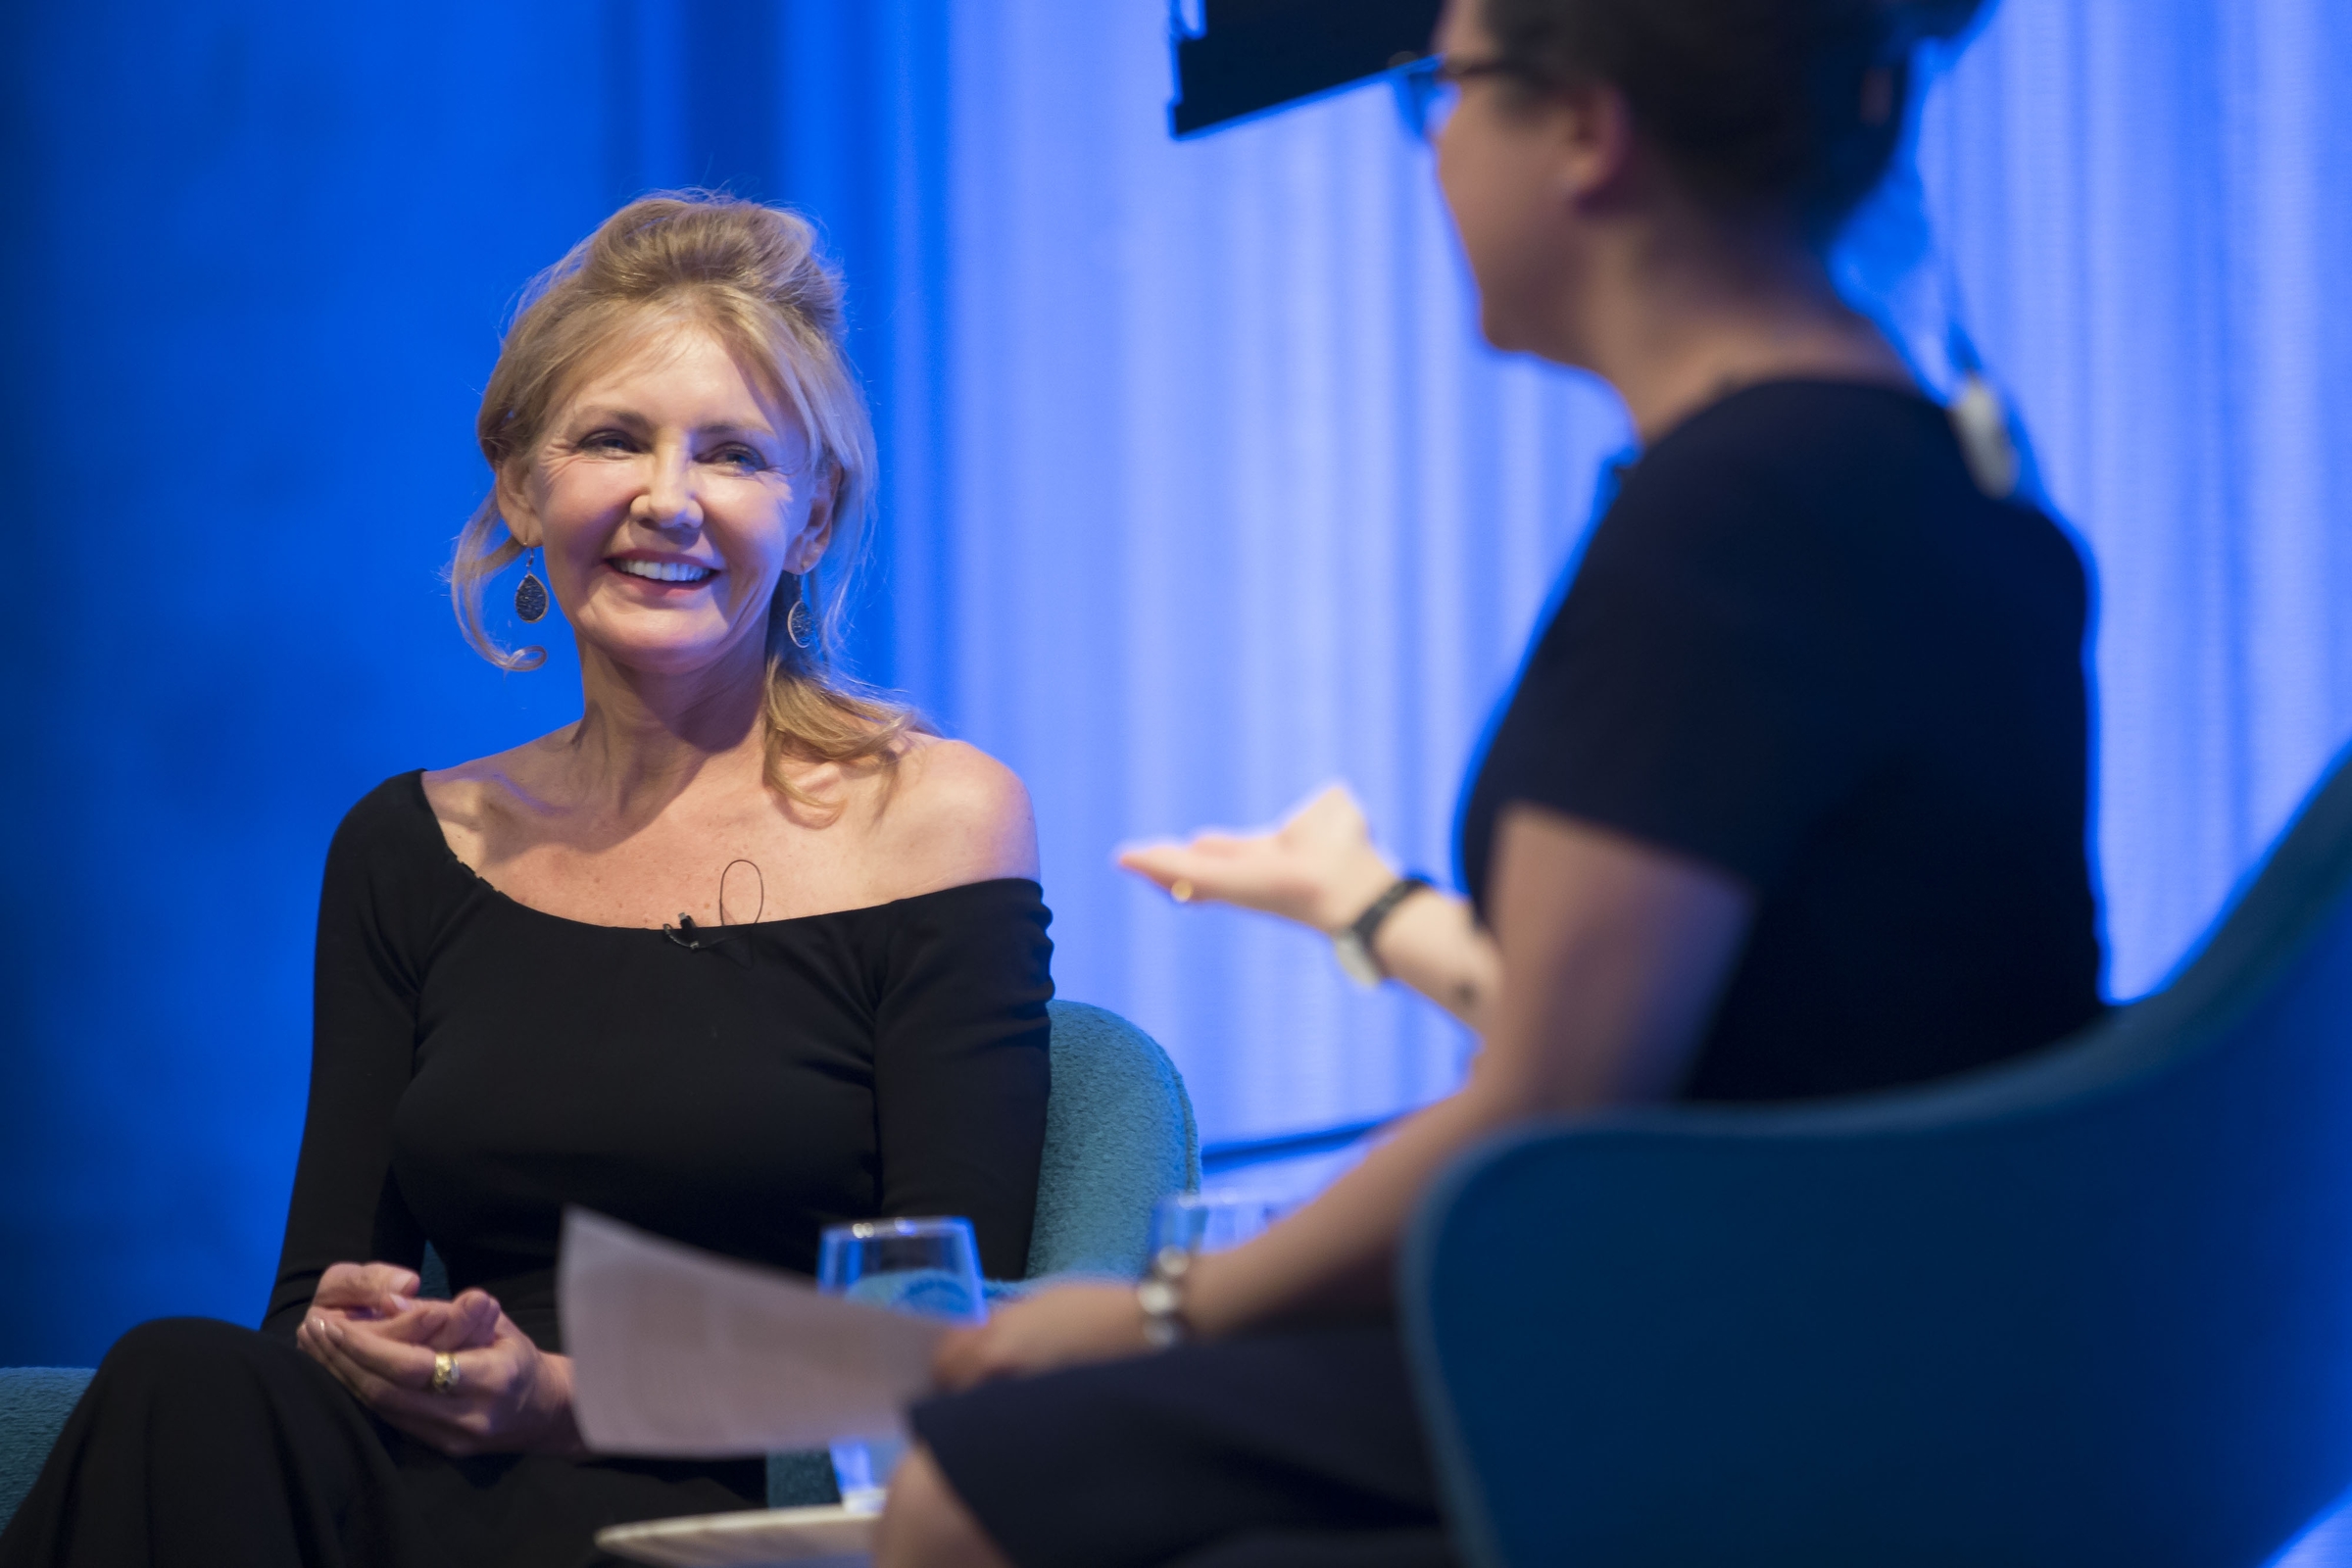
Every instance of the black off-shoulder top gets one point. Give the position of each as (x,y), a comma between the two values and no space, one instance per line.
(478,1064)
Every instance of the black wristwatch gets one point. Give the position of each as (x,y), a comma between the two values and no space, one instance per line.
(1352,943)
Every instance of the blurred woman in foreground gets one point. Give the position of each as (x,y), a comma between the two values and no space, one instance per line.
(1789,801)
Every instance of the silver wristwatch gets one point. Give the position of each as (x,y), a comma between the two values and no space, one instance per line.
(1351,943)
(1161,1295)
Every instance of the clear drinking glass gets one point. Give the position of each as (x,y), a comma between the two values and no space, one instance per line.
(927,1266)
(1211,1221)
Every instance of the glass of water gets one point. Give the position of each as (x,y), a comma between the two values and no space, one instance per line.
(926,1266)
(1211,1221)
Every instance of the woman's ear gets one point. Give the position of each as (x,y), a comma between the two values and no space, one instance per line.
(514,509)
(816,534)
(1596,144)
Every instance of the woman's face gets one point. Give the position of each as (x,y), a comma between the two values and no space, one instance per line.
(669,494)
(1507,174)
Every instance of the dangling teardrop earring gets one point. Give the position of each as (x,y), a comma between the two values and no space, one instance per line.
(530,594)
(798,625)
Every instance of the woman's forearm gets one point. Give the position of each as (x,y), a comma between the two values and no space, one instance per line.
(1615,953)
(1336,1254)
(1432,943)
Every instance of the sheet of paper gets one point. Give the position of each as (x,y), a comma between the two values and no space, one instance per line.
(678,1352)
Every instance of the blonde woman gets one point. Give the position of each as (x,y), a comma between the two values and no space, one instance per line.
(740,954)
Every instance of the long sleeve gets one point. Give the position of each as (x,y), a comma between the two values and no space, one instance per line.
(346,1207)
(961,1065)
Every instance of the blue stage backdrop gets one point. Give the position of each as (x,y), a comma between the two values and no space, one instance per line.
(1199,492)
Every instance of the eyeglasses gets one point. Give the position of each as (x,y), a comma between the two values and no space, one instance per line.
(1429,89)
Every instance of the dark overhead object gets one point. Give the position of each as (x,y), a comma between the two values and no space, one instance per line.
(1253,56)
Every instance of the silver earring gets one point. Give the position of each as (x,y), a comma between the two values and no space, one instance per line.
(798,625)
(530,594)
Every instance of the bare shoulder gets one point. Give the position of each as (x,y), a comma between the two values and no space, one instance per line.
(952,814)
(472,800)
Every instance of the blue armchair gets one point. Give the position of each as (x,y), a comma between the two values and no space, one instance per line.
(2091,1308)
(1119,1136)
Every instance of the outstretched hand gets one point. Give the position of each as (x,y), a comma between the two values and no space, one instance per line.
(368,1328)
(1318,868)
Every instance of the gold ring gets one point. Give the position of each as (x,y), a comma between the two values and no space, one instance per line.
(1181,891)
(445,1372)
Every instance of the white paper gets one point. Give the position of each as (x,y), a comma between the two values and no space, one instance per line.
(678,1352)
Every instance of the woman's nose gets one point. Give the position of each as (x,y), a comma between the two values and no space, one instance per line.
(669,501)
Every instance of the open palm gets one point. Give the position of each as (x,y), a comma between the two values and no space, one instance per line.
(1318,868)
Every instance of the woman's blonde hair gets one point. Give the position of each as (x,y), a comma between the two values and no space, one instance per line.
(753,276)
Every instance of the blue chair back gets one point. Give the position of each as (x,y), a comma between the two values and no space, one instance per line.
(1119,1136)
(34,1401)
(2094,1307)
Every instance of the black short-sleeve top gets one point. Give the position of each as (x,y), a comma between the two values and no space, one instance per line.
(1803,647)
(477,1064)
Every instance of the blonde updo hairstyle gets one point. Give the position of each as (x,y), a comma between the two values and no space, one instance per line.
(752,276)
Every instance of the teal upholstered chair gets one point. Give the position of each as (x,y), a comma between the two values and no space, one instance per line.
(2094,1307)
(1119,1136)
(34,1401)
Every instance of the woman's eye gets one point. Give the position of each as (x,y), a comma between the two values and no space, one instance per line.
(741,458)
(608,441)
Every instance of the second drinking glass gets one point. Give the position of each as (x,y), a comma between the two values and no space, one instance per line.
(927,1266)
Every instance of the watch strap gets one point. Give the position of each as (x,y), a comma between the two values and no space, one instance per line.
(1355,942)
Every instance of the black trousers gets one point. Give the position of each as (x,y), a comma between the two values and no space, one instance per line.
(204,1443)
(1300,1449)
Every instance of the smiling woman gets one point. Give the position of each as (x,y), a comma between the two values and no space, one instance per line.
(846,1019)
(694,283)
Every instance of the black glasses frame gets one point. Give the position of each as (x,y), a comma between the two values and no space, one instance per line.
(1420,82)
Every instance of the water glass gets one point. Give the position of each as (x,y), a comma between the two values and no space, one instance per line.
(1211,1221)
(926,1266)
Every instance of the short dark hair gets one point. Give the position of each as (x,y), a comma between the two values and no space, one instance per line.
(1756,104)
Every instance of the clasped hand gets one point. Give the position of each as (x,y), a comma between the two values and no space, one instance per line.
(368,1327)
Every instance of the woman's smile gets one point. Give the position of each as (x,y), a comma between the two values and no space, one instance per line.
(666,572)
